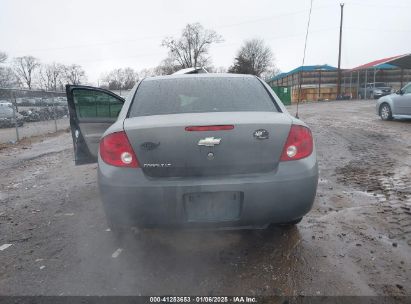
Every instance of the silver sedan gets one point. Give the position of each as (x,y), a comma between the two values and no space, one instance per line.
(397,105)
(203,150)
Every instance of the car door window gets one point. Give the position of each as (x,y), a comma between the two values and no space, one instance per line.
(95,104)
(407,89)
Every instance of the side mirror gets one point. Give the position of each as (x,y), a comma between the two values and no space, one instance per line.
(399,92)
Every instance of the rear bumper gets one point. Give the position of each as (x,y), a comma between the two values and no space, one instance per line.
(131,198)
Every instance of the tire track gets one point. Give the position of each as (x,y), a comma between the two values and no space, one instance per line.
(377,170)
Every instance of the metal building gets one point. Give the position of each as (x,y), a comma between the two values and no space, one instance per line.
(319,82)
(393,71)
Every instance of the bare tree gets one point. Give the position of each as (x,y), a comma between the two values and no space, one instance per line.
(24,67)
(120,79)
(271,72)
(166,67)
(148,72)
(7,78)
(220,69)
(130,78)
(254,57)
(3,57)
(114,79)
(191,49)
(73,74)
(51,76)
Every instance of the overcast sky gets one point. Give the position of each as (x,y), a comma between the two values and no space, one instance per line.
(101,35)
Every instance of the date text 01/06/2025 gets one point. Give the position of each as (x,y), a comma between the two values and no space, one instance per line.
(182,299)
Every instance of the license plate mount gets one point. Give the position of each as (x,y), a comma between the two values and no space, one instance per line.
(213,206)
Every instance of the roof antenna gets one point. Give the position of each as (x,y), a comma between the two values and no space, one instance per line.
(302,66)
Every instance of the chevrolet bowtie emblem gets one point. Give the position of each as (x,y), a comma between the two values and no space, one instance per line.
(209,141)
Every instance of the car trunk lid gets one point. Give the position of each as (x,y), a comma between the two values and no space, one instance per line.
(165,148)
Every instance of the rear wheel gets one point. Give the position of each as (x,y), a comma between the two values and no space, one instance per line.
(385,112)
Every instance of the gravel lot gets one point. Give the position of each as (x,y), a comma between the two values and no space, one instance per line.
(355,241)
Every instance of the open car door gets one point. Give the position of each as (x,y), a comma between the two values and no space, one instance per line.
(92,111)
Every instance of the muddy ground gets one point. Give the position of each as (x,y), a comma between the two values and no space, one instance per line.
(355,241)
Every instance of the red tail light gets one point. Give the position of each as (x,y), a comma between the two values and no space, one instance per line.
(210,128)
(115,150)
(299,144)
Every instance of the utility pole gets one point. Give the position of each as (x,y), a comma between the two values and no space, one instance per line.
(339,53)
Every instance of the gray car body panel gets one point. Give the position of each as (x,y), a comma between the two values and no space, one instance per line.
(284,193)
(400,104)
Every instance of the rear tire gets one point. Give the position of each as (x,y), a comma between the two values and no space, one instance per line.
(385,112)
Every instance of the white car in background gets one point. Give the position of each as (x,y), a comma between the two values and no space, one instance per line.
(7,117)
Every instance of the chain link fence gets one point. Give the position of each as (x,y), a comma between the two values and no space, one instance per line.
(27,113)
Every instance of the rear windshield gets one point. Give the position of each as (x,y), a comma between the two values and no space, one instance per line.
(200,94)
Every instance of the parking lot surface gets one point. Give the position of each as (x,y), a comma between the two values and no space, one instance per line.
(355,241)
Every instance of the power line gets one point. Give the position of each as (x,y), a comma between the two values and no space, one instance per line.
(223,45)
(93,44)
(375,29)
(375,5)
(269,17)
(302,65)
(339,52)
(162,36)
